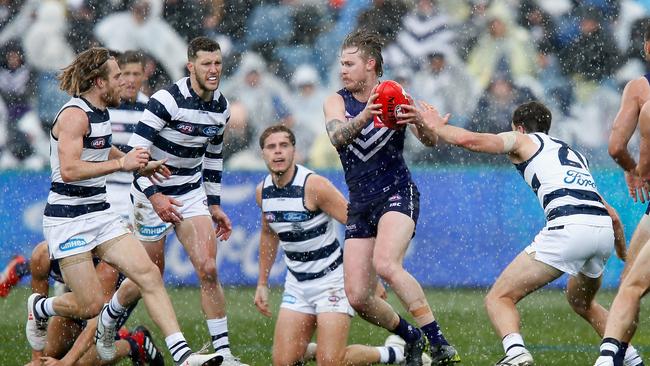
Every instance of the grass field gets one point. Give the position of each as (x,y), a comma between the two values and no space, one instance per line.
(552,332)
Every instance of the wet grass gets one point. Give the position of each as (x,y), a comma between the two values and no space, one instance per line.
(553,333)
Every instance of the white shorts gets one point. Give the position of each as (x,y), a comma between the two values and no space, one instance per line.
(574,248)
(322,295)
(147,224)
(119,196)
(82,234)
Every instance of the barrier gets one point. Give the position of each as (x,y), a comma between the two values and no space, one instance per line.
(473,221)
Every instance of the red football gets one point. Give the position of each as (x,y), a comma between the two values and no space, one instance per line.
(391,96)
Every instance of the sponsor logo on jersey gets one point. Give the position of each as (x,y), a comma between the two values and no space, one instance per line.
(98,143)
(351,227)
(288,299)
(210,131)
(395,204)
(72,243)
(395,197)
(295,216)
(581,179)
(269,217)
(185,128)
(152,230)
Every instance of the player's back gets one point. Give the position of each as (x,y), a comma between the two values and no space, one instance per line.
(560,177)
(373,161)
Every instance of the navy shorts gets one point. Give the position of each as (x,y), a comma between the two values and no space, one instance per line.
(363,218)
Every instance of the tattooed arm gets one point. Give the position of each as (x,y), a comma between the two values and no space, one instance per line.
(341,132)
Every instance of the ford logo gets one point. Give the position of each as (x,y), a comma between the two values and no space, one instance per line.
(295,216)
(185,128)
(210,131)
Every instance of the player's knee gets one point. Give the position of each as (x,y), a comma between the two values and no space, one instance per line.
(330,358)
(91,307)
(284,360)
(357,298)
(206,270)
(633,289)
(579,306)
(492,298)
(387,269)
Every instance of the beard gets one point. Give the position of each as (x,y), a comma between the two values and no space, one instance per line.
(112,99)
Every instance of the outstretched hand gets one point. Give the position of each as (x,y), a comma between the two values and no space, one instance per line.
(431,116)
(637,187)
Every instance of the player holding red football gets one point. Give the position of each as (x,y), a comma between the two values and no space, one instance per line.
(384,201)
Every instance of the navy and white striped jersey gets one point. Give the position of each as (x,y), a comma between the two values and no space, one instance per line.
(373,162)
(123,121)
(561,179)
(68,200)
(179,126)
(308,238)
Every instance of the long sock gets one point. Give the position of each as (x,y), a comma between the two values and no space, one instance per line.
(609,347)
(390,355)
(513,344)
(408,332)
(178,347)
(434,334)
(218,329)
(113,312)
(44,307)
(632,357)
(22,269)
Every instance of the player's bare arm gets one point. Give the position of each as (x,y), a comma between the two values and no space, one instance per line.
(70,129)
(619,231)
(411,115)
(643,167)
(340,131)
(622,130)
(269,242)
(321,194)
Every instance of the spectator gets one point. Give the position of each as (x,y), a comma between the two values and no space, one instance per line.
(424,30)
(504,44)
(140,29)
(47,51)
(306,102)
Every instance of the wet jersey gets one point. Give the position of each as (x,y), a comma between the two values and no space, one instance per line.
(308,238)
(561,179)
(123,121)
(373,161)
(69,200)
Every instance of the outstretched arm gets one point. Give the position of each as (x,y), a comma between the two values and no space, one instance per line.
(624,125)
(341,132)
(411,115)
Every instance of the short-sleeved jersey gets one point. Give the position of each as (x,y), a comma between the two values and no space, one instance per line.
(560,177)
(180,126)
(308,238)
(373,161)
(123,121)
(70,200)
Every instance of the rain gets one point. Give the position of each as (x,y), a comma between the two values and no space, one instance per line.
(280,63)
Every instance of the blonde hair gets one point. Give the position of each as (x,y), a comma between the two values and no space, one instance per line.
(79,77)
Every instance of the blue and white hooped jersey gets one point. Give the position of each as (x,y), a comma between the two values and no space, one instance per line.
(180,126)
(123,121)
(560,177)
(308,238)
(373,161)
(69,200)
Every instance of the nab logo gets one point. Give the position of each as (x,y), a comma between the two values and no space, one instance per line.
(185,128)
(98,143)
(210,131)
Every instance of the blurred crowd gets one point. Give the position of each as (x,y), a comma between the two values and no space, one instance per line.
(474,59)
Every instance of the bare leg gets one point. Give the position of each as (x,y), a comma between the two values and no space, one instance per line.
(332,336)
(581,291)
(293,330)
(639,238)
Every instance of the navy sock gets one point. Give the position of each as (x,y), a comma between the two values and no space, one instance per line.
(434,334)
(408,332)
(22,269)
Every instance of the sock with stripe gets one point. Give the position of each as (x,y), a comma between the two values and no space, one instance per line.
(390,355)
(434,334)
(218,329)
(178,347)
(44,308)
(113,312)
(609,347)
(632,357)
(513,344)
(408,332)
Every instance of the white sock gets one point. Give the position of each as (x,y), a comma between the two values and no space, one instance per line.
(632,357)
(513,344)
(218,329)
(178,347)
(44,308)
(113,312)
(390,355)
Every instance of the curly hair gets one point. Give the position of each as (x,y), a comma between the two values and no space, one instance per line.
(79,77)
